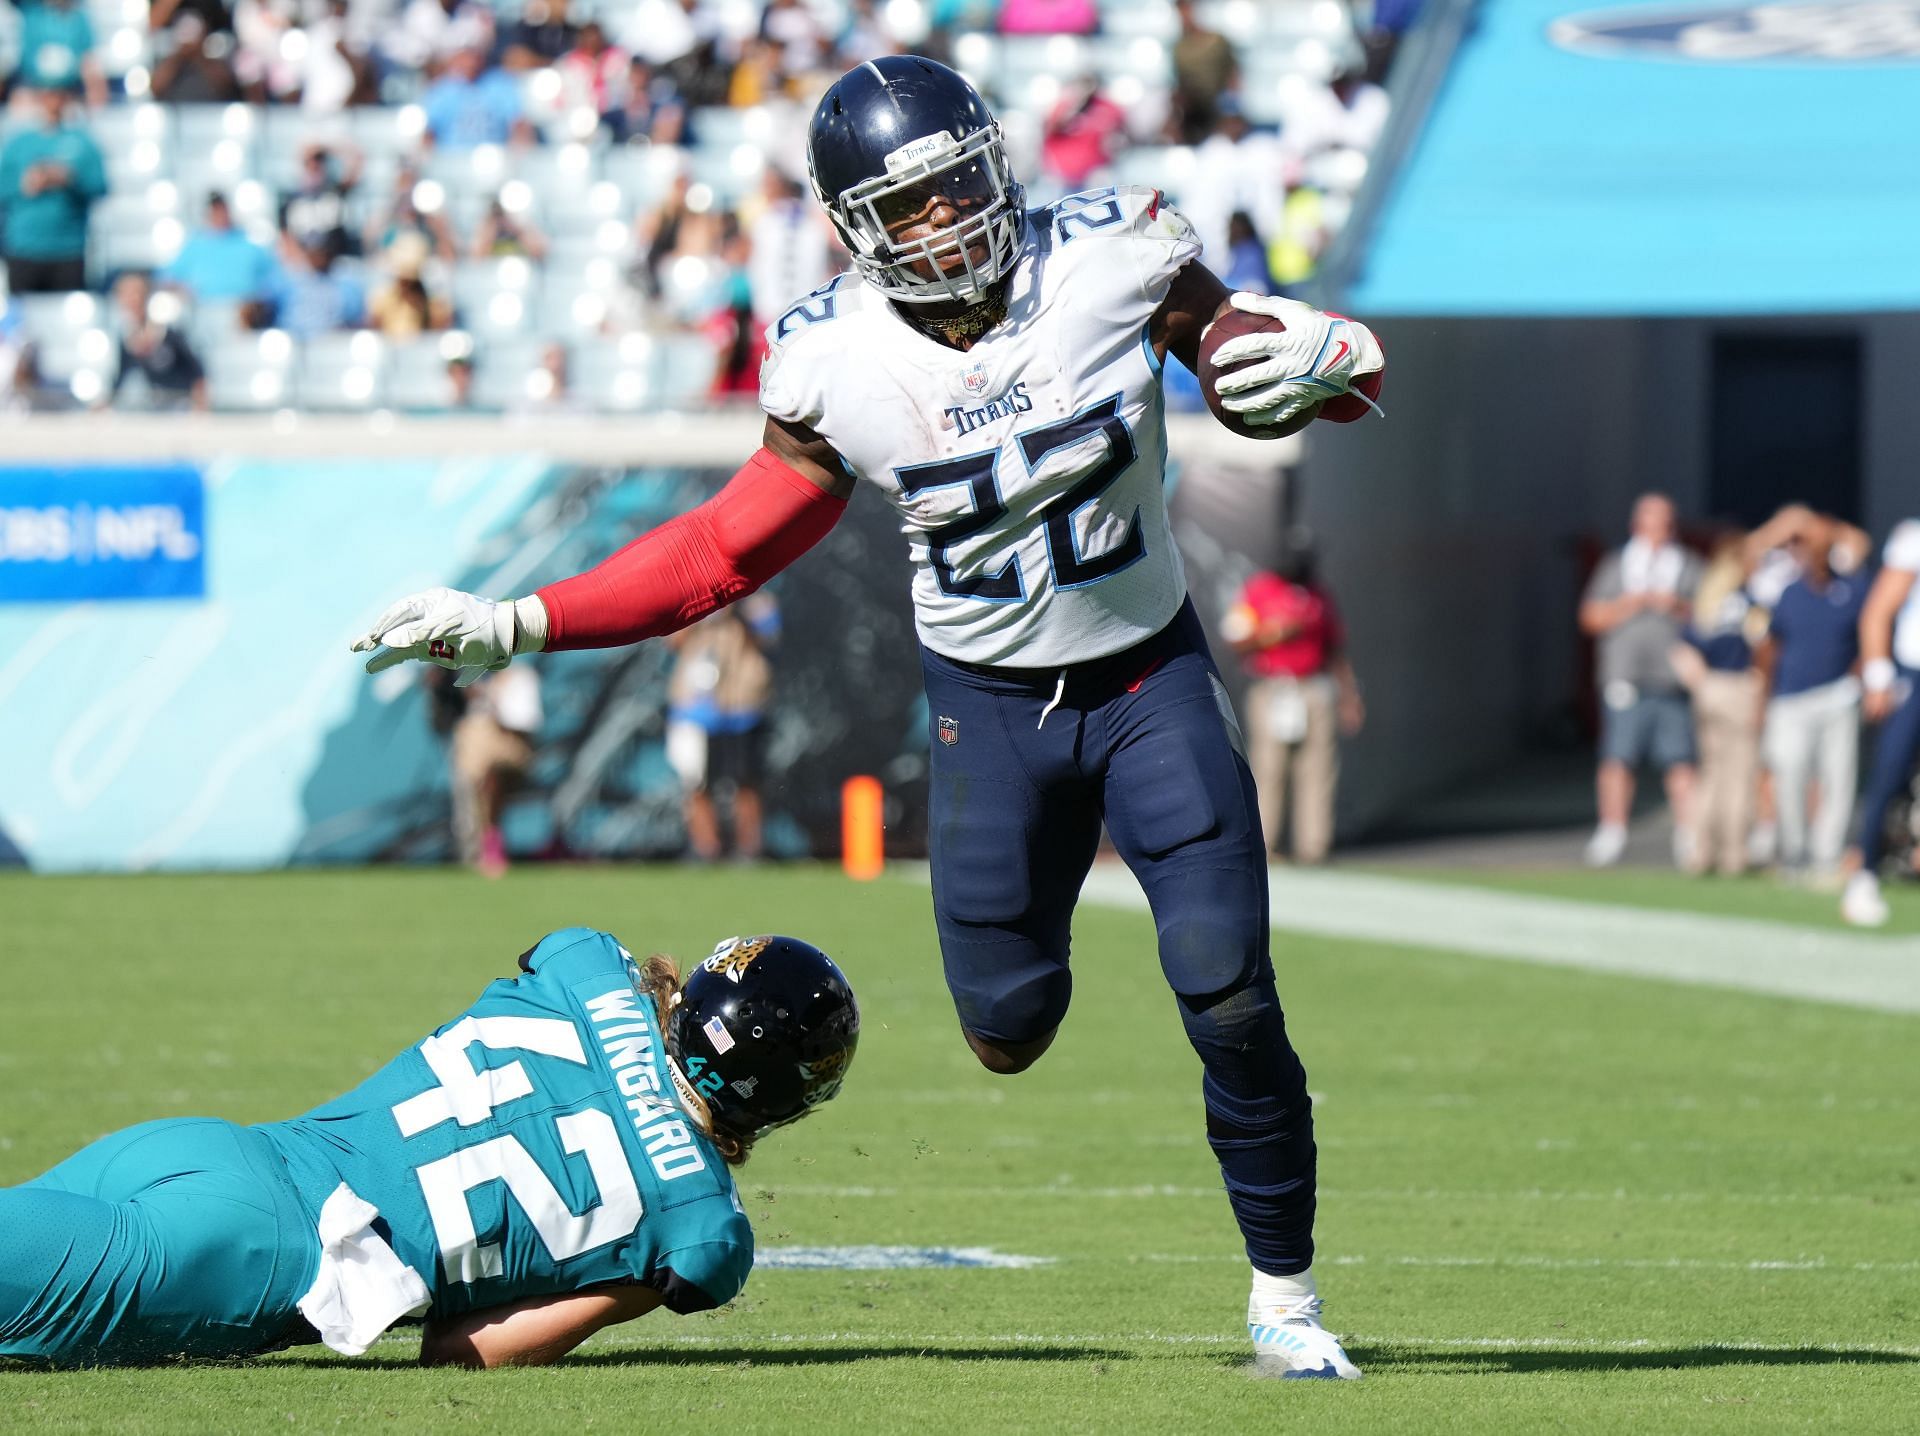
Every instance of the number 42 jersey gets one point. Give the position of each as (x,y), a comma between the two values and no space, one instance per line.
(1028,471)
(532,1146)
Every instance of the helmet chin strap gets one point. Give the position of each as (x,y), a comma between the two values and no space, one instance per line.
(695,1104)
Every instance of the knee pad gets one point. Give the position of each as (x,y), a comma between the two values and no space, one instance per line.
(1212,927)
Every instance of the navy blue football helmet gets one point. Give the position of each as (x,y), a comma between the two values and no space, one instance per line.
(763,1031)
(890,135)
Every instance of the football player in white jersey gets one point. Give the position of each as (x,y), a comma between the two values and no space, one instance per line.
(995,373)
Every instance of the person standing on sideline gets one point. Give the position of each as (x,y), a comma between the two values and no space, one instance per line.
(1890,654)
(493,747)
(1303,697)
(1808,660)
(1634,607)
(718,695)
(1716,664)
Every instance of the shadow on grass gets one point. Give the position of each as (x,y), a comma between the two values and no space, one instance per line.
(744,1356)
(1526,1359)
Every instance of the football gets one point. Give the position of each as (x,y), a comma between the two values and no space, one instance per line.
(1231,325)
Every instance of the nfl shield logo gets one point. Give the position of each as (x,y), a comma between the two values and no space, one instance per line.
(976,378)
(949,731)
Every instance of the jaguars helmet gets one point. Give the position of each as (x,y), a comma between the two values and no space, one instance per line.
(886,137)
(763,1031)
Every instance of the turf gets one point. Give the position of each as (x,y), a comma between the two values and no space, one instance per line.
(1550,1199)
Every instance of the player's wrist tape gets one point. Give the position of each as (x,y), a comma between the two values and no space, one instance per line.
(529,625)
(1878,674)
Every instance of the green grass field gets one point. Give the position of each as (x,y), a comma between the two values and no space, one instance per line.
(1550,1199)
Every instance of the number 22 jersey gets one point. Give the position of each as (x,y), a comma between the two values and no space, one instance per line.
(1028,472)
(533,1146)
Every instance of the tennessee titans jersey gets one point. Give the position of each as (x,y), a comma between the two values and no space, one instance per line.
(1028,471)
(534,1146)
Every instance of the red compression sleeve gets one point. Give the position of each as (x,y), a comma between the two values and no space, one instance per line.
(766,517)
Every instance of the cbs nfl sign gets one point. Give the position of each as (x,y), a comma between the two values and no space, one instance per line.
(73,534)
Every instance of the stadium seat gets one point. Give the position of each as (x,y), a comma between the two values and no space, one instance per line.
(496,296)
(685,365)
(617,375)
(502,371)
(644,173)
(416,375)
(251,371)
(342,372)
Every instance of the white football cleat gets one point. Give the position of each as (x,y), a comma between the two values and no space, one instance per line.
(1861,903)
(1290,1344)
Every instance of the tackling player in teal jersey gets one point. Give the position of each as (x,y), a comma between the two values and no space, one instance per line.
(551,1162)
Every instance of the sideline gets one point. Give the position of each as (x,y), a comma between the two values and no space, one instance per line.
(1852,969)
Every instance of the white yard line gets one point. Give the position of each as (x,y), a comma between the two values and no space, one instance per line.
(1151,1192)
(1855,969)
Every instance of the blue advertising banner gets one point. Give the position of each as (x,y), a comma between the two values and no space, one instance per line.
(102,532)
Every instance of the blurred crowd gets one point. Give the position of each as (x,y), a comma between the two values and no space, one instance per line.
(440,205)
(1744,674)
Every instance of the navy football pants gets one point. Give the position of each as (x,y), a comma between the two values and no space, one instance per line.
(1144,740)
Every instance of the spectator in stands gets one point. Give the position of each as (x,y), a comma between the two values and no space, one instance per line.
(1304,696)
(154,352)
(314,211)
(313,297)
(756,77)
(215,16)
(1715,662)
(338,69)
(51,172)
(472,105)
(268,63)
(864,36)
(192,73)
(460,397)
(1890,673)
(405,308)
(432,32)
(541,35)
(1204,69)
(593,72)
(661,232)
(1245,260)
(219,262)
(50,175)
(403,216)
(649,109)
(56,51)
(798,37)
(1634,607)
(946,18)
(1084,132)
(502,233)
(791,247)
(1808,659)
(717,700)
(1049,17)
(549,388)
(739,342)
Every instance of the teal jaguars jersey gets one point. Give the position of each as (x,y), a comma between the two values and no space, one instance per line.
(534,1146)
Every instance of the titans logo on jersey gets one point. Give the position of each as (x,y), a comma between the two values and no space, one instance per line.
(1029,470)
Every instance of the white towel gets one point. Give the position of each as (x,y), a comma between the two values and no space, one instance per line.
(362,1287)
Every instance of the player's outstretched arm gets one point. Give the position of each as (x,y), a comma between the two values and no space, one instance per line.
(781,503)
(533,1332)
(1320,366)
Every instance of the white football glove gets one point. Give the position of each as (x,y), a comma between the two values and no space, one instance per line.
(1317,357)
(474,636)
